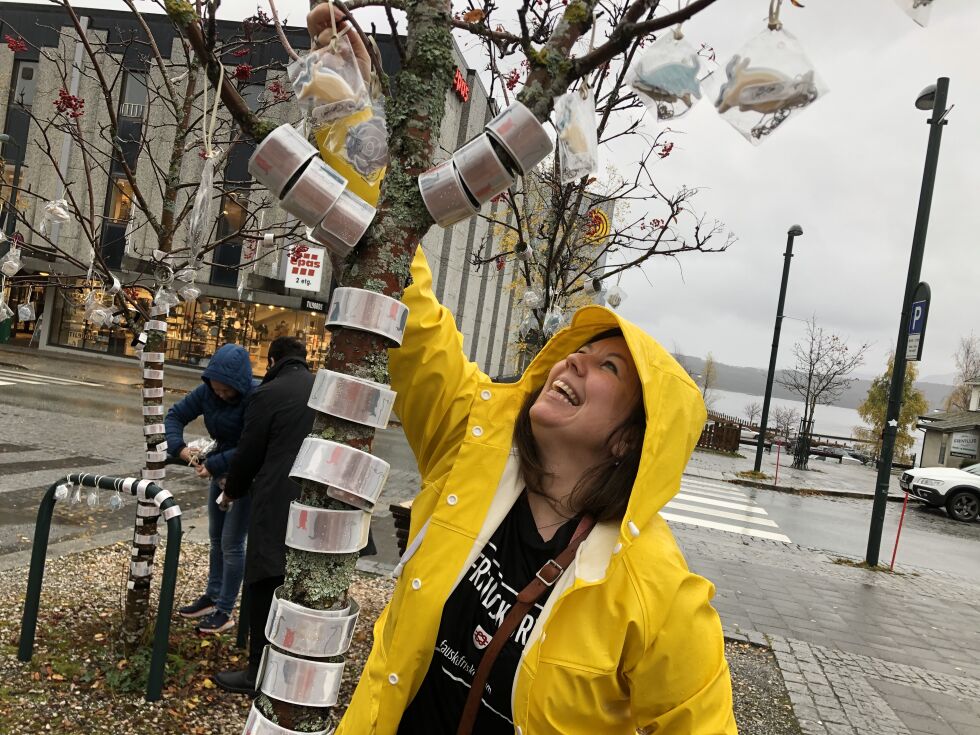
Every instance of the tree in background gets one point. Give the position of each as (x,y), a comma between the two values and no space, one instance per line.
(752,411)
(709,379)
(967,359)
(874,408)
(823,371)
(785,420)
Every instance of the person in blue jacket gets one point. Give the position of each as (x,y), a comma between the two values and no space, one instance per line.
(221,400)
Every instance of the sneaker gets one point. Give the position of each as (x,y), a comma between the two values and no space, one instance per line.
(216,622)
(237,682)
(202,606)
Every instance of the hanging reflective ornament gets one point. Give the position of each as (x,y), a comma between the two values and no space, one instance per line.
(768,81)
(917,10)
(5,311)
(200,220)
(10,263)
(26,313)
(528,323)
(55,212)
(532,299)
(92,498)
(668,77)
(76,495)
(578,143)
(615,296)
(61,492)
(115,501)
(189,292)
(553,321)
(592,286)
(522,252)
(165,296)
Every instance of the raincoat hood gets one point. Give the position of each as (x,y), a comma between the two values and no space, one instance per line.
(230,365)
(675,410)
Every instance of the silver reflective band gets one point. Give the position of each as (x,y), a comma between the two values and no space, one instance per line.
(361,401)
(345,223)
(151,429)
(153,393)
(153,410)
(159,310)
(278,157)
(483,173)
(156,325)
(314,193)
(326,531)
(127,485)
(171,512)
(259,724)
(153,374)
(152,357)
(313,633)
(147,511)
(161,496)
(140,568)
(522,136)
(141,490)
(130,584)
(156,456)
(444,195)
(297,680)
(146,539)
(154,474)
(369,312)
(358,476)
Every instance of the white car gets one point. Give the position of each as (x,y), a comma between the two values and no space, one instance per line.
(956,490)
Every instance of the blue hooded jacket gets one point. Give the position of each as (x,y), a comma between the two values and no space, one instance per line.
(224,421)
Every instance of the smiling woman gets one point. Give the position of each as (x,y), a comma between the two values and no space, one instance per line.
(541,591)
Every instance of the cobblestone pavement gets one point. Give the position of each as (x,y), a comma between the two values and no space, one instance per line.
(860,651)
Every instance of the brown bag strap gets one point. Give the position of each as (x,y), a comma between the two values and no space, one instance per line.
(544,580)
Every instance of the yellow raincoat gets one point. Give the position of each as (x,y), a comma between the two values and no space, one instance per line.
(627,640)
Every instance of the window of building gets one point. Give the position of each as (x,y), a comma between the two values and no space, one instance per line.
(23,89)
(134,95)
(120,200)
(9,198)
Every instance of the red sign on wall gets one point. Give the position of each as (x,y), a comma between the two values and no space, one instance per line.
(460,87)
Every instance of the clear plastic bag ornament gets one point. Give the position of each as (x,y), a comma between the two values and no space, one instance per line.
(54,212)
(76,494)
(92,498)
(95,312)
(669,76)
(165,296)
(61,491)
(201,217)
(767,82)
(5,311)
(522,252)
(917,10)
(189,292)
(11,263)
(532,299)
(528,323)
(615,296)
(578,141)
(554,320)
(330,77)
(115,501)
(26,312)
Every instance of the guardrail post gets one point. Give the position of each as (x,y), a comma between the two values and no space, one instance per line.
(39,552)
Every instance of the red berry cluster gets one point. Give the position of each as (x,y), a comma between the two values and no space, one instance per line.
(280,92)
(243,51)
(15,44)
(242,72)
(513,79)
(666,149)
(69,104)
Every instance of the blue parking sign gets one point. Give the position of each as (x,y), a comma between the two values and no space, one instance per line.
(917,322)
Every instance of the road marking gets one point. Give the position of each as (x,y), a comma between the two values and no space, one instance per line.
(745,531)
(673,505)
(748,508)
(32,378)
(6,382)
(723,494)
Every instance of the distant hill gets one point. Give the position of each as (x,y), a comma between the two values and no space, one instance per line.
(753,381)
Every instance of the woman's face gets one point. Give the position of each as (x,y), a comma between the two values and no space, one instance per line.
(586,397)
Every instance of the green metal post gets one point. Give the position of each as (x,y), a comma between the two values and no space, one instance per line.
(42,529)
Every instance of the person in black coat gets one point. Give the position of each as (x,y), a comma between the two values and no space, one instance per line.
(276,422)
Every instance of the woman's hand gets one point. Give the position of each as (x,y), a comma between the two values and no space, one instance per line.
(188,456)
(202,471)
(321,31)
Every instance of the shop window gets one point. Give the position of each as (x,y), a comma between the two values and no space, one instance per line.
(24,88)
(120,200)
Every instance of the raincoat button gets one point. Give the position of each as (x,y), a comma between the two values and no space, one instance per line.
(392,678)
(452,500)
(633,529)
(477,431)
(485,395)
(416,584)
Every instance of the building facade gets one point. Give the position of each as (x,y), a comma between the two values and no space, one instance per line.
(248,305)
(952,439)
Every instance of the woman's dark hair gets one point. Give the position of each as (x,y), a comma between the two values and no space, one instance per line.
(283,347)
(603,492)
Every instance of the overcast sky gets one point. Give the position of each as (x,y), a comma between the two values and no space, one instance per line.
(848,170)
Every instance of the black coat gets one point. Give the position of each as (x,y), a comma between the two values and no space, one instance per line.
(276,422)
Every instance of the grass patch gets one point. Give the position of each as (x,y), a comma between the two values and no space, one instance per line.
(718,452)
(752,475)
(854,563)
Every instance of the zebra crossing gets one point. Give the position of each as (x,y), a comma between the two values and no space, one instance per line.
(722,507)
(23,377)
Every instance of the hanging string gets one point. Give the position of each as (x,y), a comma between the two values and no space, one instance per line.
(208,130)
(678,33)
(774,23)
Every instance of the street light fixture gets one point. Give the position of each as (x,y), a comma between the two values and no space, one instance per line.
(793,232)
(933,99)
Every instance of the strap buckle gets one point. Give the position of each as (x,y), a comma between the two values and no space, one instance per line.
(549,582)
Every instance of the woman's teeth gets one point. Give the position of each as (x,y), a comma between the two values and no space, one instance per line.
(566,391)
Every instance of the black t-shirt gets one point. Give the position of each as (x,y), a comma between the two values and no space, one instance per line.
(470,617)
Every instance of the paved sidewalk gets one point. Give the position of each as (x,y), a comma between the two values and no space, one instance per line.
(860,651)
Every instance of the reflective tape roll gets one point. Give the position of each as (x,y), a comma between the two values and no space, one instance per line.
(522,136)
(152,357)
(258,724)
(306,632)
(353,476)
(172,512)
(153,393)
(153,374)
(156,456)
(146,539)
(314,193)
(162,446)
(361,401)
(130,584)
(157,474)
(368,311)
(326,531)
(127,485)
(278,157)
(151,429)
(299,681)
(141,338)
(140,568)
(153,410)
(161,496)
(159,310)
(155,325)
(147,511)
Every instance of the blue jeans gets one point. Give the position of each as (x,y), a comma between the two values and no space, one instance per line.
(227,530)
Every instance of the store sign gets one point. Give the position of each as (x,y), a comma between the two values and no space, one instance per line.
(963,444)
(320,307)
(304,271)
(460,87)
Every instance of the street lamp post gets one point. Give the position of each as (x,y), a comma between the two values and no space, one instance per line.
(932,98)
(794,232)
(15,182)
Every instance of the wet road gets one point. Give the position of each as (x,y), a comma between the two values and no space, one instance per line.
(930,539)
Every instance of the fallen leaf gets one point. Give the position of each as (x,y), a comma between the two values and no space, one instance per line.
(474,16)
(205,643)
(207,684)
(57,677)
